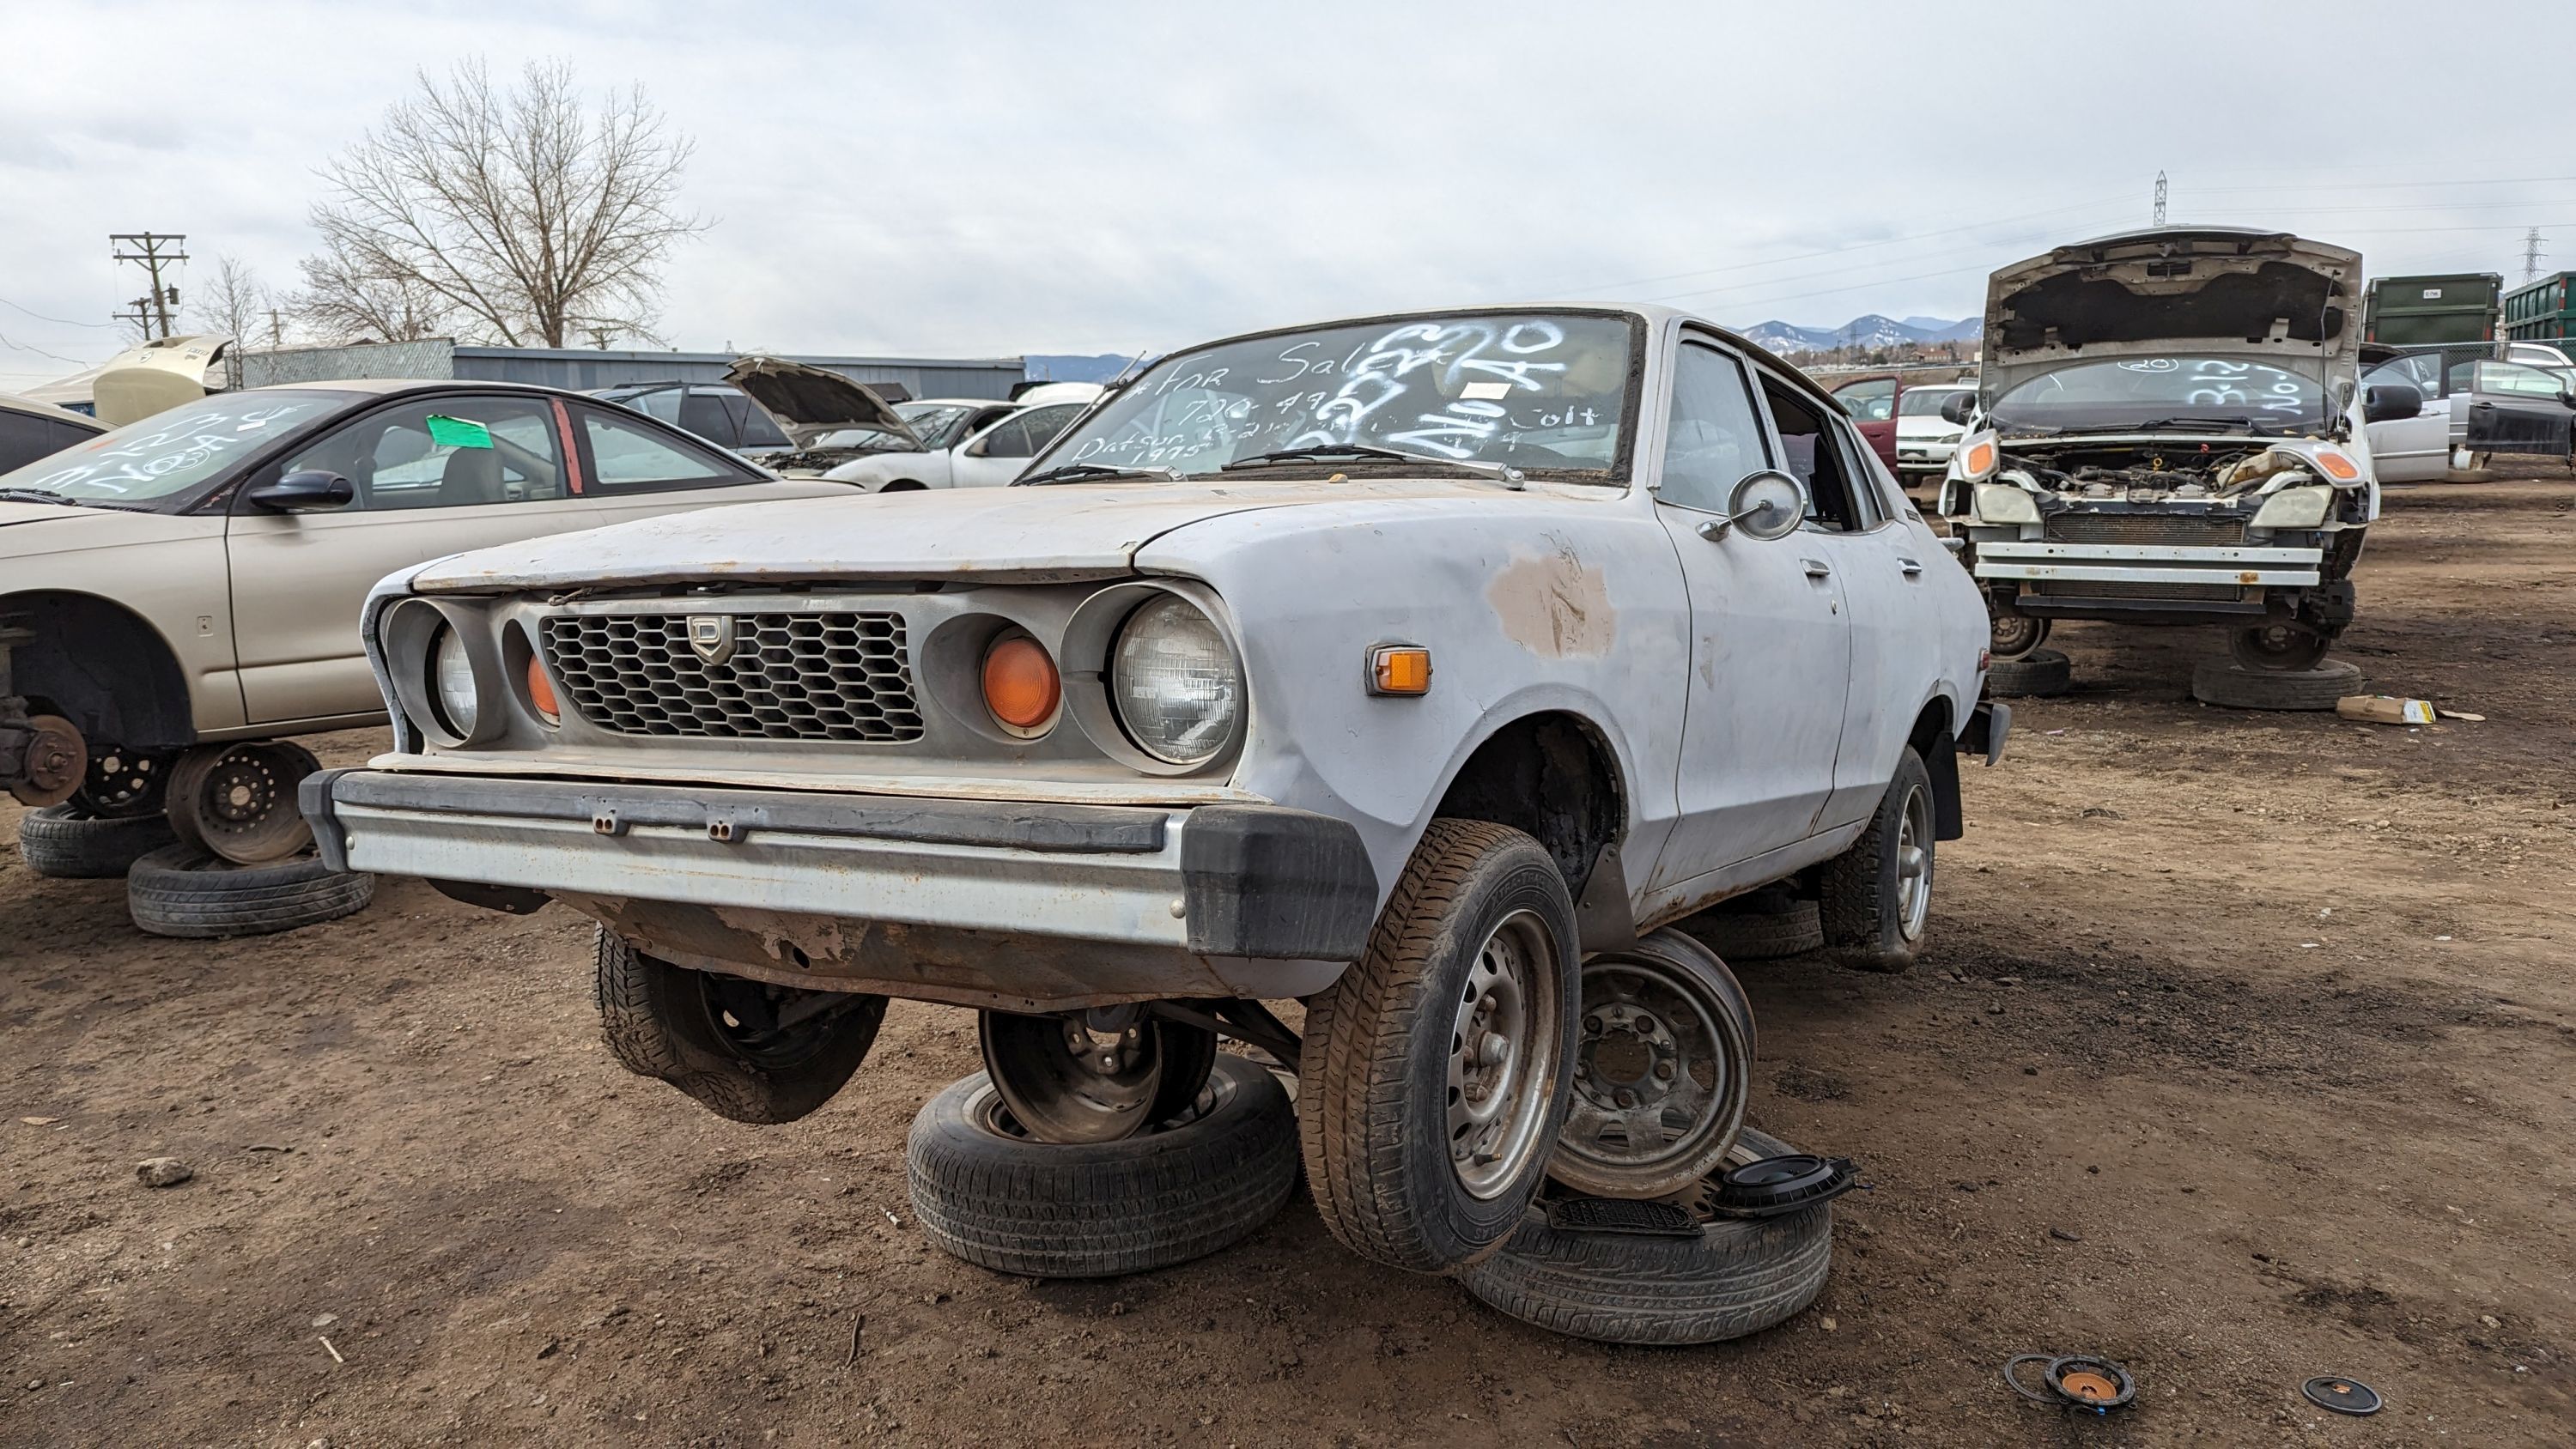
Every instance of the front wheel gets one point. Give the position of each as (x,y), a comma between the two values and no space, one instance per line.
(1435,1072)
(1877,896)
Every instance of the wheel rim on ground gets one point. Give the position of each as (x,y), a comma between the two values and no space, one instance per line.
(1503,1049)
(1659,1070)
(1914,864)
(2011,633)
(2278,646)
(238,801)
(1066,1082)
(124,783)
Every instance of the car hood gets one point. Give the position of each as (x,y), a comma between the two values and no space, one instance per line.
(29,530)
(809,403)
(1049,534)
(1931,427)
(2263,296)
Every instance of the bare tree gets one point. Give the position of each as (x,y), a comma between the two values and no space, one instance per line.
(343,301)
(526,215)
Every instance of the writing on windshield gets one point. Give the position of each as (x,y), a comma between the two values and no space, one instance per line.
(169,452)
(2143,390)
(1535,391)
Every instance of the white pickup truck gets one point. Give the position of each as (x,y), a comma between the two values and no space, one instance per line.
(1392,665)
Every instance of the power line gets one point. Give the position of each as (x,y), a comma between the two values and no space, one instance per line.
(40,352)
(41,317)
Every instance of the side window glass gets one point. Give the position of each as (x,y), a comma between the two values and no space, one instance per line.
(1815,458)
(1869,507)
(1044,423)
(448,452)
(629,457)
(661,402)
(703,413)
(758,431)
(1713,437)
(1010,440)
(1873,401)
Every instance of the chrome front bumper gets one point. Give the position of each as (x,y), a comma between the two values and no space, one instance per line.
(1030,906)
(2130,563)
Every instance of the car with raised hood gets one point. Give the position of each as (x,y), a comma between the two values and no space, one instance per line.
(848,432)
(2168,428)
(180,595)
(1390,664)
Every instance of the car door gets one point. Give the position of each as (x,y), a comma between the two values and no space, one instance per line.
(1872,405)
(634,468)
(2512,408)
(1854,529)
(2416,449)
(1770,656)
(432,476)
(1002,452)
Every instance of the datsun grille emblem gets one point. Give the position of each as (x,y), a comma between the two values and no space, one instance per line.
(711,635)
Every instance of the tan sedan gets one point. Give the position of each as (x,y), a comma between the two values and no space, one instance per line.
(179,594)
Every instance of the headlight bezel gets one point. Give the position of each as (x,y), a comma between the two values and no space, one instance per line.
(2305,506)
(1088,661)
(411,635)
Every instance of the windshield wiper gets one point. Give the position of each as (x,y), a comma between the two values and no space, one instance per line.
(2251,425)
(1071,471)
(37,495)
(1501,471)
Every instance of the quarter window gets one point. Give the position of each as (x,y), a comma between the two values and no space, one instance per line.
(632,457)
(1714,436)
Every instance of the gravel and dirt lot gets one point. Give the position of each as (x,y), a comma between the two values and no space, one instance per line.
(2246,1052)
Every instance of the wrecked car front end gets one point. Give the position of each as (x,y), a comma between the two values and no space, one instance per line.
(2168,431)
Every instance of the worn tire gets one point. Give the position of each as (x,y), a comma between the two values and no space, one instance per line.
(69,842)
(182,891)
(2038,674)
(1756,935)
(1735,1278)
(1861,901)
(1373,1088)
(1099,1209)
(2226,682)
(660,1021)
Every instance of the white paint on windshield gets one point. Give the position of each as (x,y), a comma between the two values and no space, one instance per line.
(171,452)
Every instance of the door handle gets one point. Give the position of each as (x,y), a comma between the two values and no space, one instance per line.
(1817,568)
(1913,567)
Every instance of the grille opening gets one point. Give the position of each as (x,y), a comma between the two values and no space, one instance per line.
(2182,529)
(789,676)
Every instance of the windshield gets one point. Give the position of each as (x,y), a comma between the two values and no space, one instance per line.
(936,424)
(1543,392)
(2140,391)
(1925,402)
(170,453)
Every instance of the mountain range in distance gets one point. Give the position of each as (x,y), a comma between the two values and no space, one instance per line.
(1869,331)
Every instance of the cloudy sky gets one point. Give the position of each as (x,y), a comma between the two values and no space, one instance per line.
(960,179)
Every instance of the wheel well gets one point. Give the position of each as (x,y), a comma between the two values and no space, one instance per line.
(904,485)
(1937,742)
(99,665)
(1552,777)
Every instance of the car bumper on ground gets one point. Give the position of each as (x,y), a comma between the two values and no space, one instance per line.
(1021,905)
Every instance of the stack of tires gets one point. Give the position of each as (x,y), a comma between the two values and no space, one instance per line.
(209,841)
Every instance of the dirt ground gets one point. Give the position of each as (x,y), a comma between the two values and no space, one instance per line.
(2244,1054)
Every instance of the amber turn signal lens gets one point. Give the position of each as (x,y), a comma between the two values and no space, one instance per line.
(1399,670)
(1020,683)
(2337,466)
(1980,460)
(541,693)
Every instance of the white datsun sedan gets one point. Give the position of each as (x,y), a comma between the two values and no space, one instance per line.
(1389,664)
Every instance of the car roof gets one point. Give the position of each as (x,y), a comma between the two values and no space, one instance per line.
(16,404)
(390,386)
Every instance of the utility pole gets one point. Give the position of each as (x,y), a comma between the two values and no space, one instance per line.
(2531,255)
(2160,198)
(147,248)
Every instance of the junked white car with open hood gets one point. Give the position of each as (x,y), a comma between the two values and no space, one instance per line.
(1392,665)
(2168,429)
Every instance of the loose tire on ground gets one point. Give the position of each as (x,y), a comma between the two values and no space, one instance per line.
(182,891)
(2038,674)
(1876,896)
(696,1031)
(70,842)
(1378,1113)
(1755,934)
(1179,1191)
(1733,1279)
(2226,682)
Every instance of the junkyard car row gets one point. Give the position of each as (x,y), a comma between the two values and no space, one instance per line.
(1434,670)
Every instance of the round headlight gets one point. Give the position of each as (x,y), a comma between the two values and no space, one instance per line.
(1173,682)
(453,673)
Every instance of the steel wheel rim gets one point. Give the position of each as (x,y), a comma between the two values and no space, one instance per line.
(239,802)
(1066,1083)
(1502,1055)
(1633,1005)
(1914,863)
(2013,635)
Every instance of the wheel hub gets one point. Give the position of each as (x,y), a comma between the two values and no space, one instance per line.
(1652,1075)
(56,762)
(238,801)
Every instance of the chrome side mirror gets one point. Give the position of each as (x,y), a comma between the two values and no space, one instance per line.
(1765,505)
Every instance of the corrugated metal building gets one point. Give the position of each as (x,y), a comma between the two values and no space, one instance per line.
(583,368)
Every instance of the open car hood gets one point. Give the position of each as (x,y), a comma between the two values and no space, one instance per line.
(809,403)
(2264,296)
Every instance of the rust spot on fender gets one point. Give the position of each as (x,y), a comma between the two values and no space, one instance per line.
(1553,604)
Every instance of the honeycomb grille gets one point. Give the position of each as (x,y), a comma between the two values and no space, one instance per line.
(2184,529)
(790,676)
